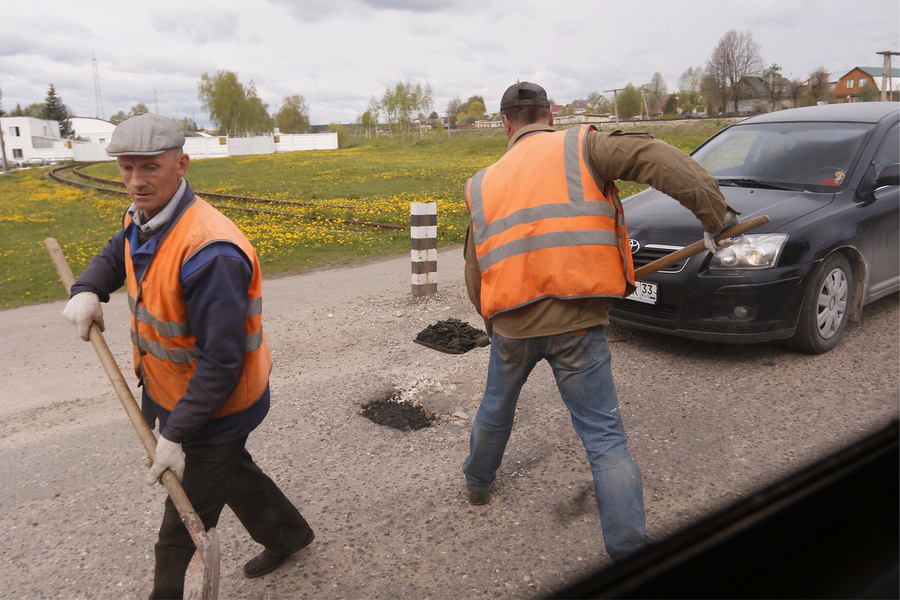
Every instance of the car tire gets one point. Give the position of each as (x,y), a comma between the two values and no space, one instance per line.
(826,307)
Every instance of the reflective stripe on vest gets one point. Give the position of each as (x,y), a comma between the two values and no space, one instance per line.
(543,199)
(172,329)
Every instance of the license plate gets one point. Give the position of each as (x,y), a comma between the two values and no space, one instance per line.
(645,292)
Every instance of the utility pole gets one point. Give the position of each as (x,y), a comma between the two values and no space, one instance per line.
(3,145)
(615,100)
(887,76)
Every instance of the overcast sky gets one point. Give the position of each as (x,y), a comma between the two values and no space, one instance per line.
(338,54)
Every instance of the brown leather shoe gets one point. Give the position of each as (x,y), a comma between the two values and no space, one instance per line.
(265,562)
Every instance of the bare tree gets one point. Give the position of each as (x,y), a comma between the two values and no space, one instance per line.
(735,56)
(453,110)
(819,89)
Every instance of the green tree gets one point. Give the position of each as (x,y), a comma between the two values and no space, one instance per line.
(404,100)
(773,71)
(630,102)
(256,117)
(689,85)
(187,124)
(476,110)
(55,110)
(293,116)
(342,134)
(231,105)
(671,107)
(136,109)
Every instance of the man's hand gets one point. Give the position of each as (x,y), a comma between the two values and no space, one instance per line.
(82,310)
(709,239)
(168,455)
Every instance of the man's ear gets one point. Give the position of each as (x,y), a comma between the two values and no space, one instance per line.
(183,161)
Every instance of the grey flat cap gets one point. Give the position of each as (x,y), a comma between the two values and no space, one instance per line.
(146,134)
(524,94)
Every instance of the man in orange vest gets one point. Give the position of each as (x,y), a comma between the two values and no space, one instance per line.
(200,354)
(546,251)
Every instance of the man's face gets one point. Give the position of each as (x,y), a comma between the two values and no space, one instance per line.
(151,181)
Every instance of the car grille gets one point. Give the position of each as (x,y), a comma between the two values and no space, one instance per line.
(640,310)
(647,254)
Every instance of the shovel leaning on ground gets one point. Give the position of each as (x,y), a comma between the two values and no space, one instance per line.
(202,577)
(648,269)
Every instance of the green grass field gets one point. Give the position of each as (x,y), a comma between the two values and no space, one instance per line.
(373,181)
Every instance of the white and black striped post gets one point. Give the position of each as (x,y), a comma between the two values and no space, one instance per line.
(423,233)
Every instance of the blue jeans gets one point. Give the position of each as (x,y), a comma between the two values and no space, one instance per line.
(581,365)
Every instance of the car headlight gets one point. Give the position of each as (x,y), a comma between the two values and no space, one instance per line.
(753,251)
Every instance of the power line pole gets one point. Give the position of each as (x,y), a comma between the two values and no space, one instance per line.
(887,76)
(615,100)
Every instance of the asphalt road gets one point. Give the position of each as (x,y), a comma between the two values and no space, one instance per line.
(707,423)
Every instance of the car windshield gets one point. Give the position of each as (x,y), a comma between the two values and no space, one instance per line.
(810,156)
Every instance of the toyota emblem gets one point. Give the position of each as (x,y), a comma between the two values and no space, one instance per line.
(634,245)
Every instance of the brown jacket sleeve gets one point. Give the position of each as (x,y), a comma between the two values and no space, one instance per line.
(641,158)
(473,276)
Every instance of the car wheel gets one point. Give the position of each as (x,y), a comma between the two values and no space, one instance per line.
(826,307)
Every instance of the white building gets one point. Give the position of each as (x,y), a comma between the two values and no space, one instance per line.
(89,129)
(33,141)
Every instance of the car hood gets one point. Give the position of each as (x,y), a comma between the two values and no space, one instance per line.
(653,211)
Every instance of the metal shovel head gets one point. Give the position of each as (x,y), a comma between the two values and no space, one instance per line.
(201,580)
(440,348)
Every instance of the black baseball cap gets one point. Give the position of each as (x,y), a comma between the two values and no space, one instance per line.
(524,93)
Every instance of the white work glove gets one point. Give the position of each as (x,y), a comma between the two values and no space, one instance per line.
(81,310)
(168,455)
(709,239)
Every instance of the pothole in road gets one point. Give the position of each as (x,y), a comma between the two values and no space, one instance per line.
(395,413)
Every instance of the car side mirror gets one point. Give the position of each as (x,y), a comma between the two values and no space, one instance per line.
(890,175)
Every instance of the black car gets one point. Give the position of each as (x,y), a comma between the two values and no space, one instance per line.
(827,177)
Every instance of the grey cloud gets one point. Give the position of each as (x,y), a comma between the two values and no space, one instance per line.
(203,28)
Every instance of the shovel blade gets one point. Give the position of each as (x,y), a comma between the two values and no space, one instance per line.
(201,580)
(440,348)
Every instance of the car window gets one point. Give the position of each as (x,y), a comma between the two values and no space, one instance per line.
(816,156)
(889,152)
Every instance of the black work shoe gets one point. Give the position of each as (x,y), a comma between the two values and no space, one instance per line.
(478,497)
(265,562)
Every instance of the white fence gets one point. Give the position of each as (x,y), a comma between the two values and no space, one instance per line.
(205,147)
(213,147)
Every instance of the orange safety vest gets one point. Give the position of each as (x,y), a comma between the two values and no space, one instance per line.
(165,354)
(544,227)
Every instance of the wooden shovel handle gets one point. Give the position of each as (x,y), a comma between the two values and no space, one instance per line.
(169,480)
(698,247)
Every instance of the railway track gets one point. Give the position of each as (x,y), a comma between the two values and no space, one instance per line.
(93,183)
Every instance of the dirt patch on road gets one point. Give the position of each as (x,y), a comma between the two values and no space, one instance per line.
(393,412)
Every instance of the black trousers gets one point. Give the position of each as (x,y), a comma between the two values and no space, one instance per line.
(216,475)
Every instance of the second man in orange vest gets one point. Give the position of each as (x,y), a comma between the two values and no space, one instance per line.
(546,250)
